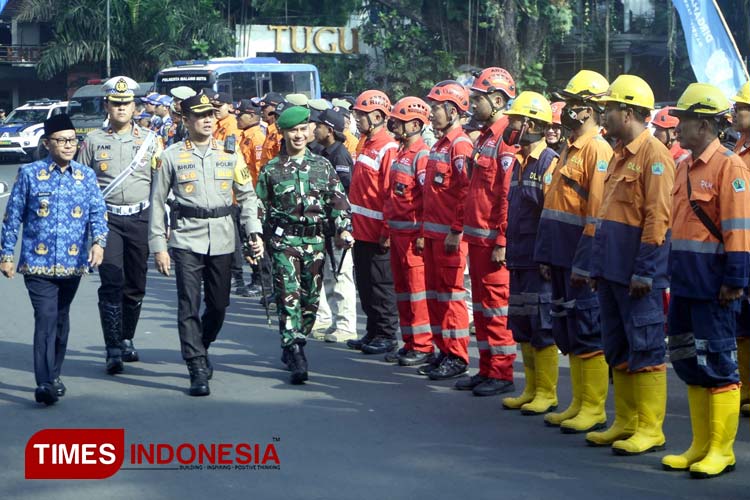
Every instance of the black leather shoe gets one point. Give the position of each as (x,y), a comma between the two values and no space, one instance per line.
(357,344)
(298,364)
(114,365)
(394,356)
(209,368)
(450,367)
(469,383)
(415,358)
(493,387)
(198,377)
(379,345)
(46,394)
(432,364)
(59,387)
(129,354)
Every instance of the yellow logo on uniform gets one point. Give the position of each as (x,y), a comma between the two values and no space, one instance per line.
(189,188)
(205,100)
(224,185)
(43,175)
(43,210)
(73,250)
(41,249)
(77,212)
(103,167)
(105,155)
(121,85)
(78,175)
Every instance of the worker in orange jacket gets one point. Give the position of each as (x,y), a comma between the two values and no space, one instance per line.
(630,260)
(709,268)
(485,226)
(563,248)
(445,251)
(226,121)
(741,123)
(251,136)
(272,144)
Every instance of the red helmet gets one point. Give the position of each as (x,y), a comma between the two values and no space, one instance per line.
(372,100)
(557,108)
(411,108)
(450,91)
(663,119)
(495,79)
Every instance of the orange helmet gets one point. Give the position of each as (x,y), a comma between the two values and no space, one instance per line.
(663,119)
(411,108)
(373,100)
(450,91)
(495,79)
(557,108)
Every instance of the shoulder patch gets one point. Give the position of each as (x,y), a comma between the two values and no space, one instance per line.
(601,165)
(548,178)
(738,185)
(657,168)
(506,161)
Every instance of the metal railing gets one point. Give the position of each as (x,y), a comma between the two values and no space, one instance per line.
(20,54)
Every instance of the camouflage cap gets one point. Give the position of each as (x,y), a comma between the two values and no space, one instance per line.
(291,117)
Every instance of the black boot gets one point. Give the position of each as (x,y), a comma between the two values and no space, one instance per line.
(297,363)
(130,315)
(111,318)
(198,377)
(209,366)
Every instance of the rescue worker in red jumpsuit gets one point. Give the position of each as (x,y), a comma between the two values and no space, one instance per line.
(485,225)
(630,261)
(664,129)
(741,123)
(563,248)
(403,213)
(444,194)
(530,294)
(709,269)
(368,191)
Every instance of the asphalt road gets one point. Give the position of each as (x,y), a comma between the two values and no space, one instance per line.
(360,429)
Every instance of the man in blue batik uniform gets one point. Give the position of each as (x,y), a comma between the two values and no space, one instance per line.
(56,199)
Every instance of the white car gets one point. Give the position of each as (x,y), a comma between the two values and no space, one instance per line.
(24,126)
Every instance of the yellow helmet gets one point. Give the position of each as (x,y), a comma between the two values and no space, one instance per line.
(532,105)
(585,85)
(701,99)
(631,90)
(743,95)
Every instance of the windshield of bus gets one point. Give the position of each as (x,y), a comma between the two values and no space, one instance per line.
(27,116)
(86,107)
(244,85)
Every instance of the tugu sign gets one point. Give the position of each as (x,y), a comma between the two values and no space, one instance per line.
(255,38)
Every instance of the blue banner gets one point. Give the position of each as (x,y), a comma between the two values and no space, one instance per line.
(713,53)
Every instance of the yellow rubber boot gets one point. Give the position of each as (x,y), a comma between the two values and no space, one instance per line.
(626,414)
(650,389)
(743,363)
(699,400)
(530,389)
(555,419)
(545,364)
(725,409)
(594,387)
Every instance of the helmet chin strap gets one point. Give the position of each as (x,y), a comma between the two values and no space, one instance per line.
(446,109)
(495,109)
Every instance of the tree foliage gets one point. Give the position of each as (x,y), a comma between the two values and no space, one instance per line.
(146,35)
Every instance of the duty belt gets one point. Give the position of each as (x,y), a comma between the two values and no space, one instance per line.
(184,211)
(128,209)
(303,230)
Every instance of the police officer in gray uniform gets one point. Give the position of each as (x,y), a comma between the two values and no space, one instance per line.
(202,173)
(123,157)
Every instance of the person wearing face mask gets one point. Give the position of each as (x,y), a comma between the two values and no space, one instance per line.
(110,152)
(741,122)
(444,193)
(403,212)
(563,250)
(530,294)
(664,126)
(629,263)
(367,193)
(484,226)
(554,133)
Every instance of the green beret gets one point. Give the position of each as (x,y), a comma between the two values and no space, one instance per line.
(291,117)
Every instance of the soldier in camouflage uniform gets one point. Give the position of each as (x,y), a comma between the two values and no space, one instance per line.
(303,199)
